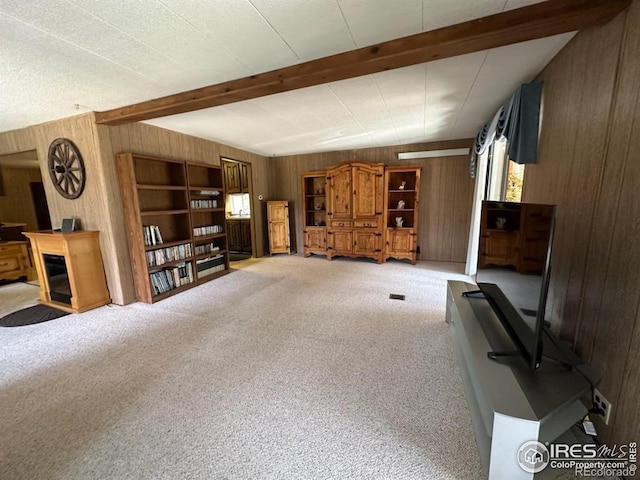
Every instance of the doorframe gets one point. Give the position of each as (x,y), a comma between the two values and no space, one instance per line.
(254,212)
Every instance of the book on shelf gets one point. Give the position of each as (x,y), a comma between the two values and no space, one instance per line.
(169,254)
(207,230)
(210,265)
(173,277)
(152,235)
(206,248)
(197,204)
(207,192)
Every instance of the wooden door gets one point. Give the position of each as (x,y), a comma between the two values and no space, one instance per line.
(245,236)
(400,242)
(234,235)
(366,242)
(499,248)
(340,195)
(315,239)
(536,224)
(278,216)
(367,190)
(231,177)
(341,242)
(244,177)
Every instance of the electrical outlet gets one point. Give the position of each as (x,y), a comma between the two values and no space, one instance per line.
(604,404)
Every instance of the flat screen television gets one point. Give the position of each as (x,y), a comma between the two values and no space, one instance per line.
(513,271)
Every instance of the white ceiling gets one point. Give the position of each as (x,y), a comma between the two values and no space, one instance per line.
(63,57)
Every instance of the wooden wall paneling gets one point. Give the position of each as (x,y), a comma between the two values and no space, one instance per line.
(621,295)
(150,140)
(117,250)
(626,425)
(16,205)
(555,165)
(588,159)
(618,325)
(588,143)
(620,132)
(94,207)
(285,184)
(461,212)
(14,141)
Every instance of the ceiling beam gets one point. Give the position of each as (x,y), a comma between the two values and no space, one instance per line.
(528,23)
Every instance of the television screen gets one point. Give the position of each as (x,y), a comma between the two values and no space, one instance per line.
(513,269)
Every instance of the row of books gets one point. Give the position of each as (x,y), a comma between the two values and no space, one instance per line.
(170,278)
(206,248)
(212,193)
(169,254)
(151,234)
(204,204)
(207,230)
(210,265)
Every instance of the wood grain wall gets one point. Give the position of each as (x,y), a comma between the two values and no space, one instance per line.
(94,207)
(446,192)
(588,166)
(16,205)
(151,140)
(100,206)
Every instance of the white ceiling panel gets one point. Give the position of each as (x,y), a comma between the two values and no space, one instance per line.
(312,28)
(375,21)
(239,28)
(101,55)
(163,31)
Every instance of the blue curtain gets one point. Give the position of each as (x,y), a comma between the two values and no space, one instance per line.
(518,121)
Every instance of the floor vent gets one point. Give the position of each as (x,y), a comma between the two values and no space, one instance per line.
(396,296)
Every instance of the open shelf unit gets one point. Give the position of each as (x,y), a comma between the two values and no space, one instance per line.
(315,213)
(166,202)
(206,201)
(401,206)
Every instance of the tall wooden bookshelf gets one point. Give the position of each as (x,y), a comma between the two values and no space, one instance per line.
(176,232)
(401,207)
(315,213)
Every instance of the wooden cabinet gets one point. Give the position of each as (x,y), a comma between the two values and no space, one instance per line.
(70,269)
(514,234)
(355,205)
(402,199)
(234,235)
(314,228)
(14,260)
(244,177)
(174,211)
(239,235)
(278,218)
(236,177)
(340,196)
(232,177)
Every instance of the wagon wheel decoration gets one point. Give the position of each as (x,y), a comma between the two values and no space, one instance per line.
(66,168)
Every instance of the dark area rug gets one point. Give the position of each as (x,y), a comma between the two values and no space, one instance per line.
(31,316)
(237,257)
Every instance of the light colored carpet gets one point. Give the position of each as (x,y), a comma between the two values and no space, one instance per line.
(289,367)
(16,296)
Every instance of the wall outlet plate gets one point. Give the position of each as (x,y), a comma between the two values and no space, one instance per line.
(601,402)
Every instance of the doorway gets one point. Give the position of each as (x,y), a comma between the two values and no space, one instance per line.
(239,214)
(41,206)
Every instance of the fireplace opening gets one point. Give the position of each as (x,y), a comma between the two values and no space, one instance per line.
(58,278)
